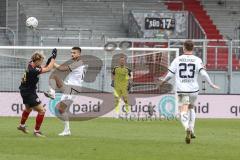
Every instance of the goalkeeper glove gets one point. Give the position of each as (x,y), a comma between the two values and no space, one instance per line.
(54,53)
(48,61)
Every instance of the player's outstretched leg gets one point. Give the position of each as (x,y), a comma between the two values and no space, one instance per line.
(25,114)
(39,119)
(51,92)
(55,82)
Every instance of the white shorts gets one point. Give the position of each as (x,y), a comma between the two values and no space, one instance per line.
(69,94)
(187,98)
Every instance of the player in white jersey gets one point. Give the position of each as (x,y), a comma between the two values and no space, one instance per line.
(185,69)
(72,83)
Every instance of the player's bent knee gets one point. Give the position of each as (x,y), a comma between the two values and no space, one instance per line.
(42,111)
(61,107)
(61,110)
(28,110)
(184,108)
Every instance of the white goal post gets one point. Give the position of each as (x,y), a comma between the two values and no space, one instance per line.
(86,48)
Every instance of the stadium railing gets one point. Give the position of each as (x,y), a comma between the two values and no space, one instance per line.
(195,30)
(10,34)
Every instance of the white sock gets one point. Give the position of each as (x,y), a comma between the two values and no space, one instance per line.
(66,126)
(184,119)
(192,117)
(66,121)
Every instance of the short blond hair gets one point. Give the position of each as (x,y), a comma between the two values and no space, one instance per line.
(37,55)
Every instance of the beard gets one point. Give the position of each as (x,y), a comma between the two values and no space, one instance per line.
(75,58)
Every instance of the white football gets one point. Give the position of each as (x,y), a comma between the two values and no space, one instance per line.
(32,22)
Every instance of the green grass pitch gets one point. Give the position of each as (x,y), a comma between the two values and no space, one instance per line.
(110,139)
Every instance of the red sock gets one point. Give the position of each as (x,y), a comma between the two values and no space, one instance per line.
(25,115)
(39,120)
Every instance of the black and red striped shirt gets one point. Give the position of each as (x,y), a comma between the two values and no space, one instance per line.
(30,78)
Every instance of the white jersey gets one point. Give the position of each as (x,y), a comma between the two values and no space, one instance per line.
(186,69)
(77,73)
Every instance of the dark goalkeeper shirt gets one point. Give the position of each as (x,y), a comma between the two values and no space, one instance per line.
(30,78)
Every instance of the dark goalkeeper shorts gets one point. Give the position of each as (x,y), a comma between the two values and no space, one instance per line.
(30,99)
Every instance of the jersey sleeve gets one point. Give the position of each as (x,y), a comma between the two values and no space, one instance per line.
(173,67)
(114,70)
(74,65)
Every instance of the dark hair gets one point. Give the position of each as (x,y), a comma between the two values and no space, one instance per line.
(188,45)
(77,48)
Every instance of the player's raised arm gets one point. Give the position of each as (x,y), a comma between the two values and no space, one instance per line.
(55,65)
(69,67)
(167,77)
(48,67)
(61,67)
(50,62)
(75,53)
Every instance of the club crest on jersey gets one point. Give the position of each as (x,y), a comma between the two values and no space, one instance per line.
(38,100)
(38,69)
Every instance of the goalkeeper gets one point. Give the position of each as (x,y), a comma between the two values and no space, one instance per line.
(120,81)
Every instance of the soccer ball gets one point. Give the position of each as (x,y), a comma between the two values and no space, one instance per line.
(32,22)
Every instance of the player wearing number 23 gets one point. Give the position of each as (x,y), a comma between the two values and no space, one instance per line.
(185,69)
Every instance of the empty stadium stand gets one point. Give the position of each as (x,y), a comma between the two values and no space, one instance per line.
(225,14)
(100,17)
(217,52)
(200,14)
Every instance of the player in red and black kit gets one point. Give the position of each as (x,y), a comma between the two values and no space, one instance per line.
(28,90)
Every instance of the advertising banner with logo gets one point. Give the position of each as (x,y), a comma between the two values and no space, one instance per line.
(102,105)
